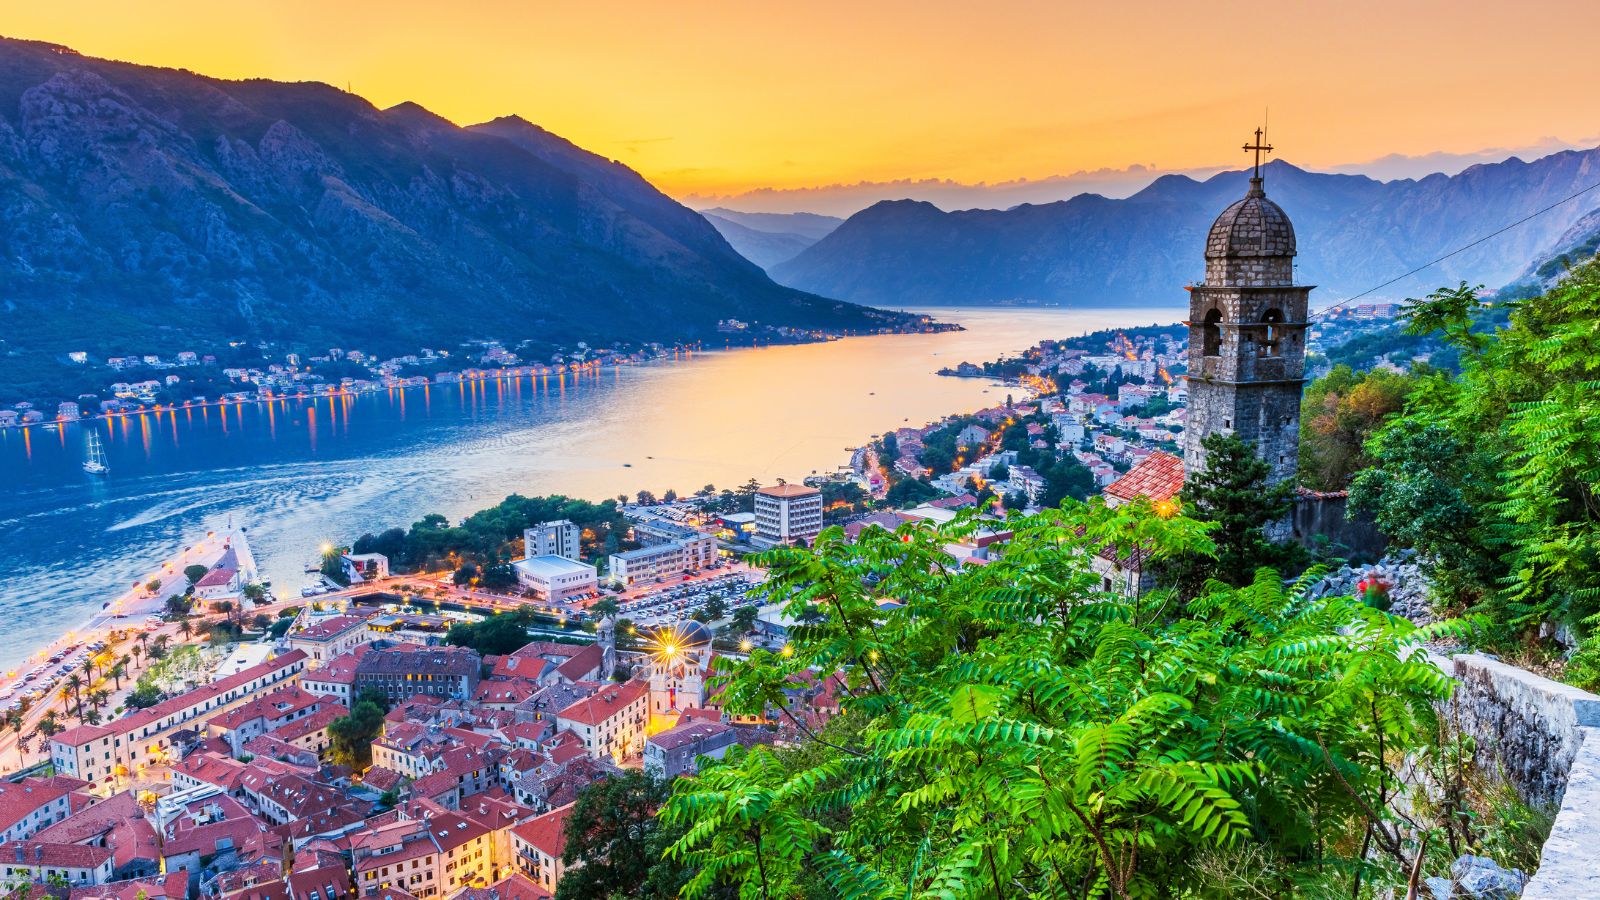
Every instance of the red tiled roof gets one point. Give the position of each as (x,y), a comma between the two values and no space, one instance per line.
(582,664)
(219,575)
(18,800)
(138,719)
(328,628)
(686,734)
(610,701)
(516,886)
(61,856)
(172,886)
(547,832)
(1159,477)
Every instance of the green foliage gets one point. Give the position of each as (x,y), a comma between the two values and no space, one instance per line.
(615,843)
(496,635)
(1232,495)
(351,736)
(1013,731)
(494,535)
(194,573)
(332,566)
(143,695)
(1509,515)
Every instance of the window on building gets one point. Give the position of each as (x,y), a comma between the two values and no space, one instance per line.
(1211,333)
(1273,318)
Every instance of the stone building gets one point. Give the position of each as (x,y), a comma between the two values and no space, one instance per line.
(1247,347)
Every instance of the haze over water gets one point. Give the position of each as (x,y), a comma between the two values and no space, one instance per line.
(296,473)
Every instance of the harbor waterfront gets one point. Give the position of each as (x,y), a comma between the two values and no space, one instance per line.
(297,473)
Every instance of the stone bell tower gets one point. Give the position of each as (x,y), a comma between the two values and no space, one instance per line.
(1247,326)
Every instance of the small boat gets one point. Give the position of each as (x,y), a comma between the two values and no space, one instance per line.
(627,465)
(96,463)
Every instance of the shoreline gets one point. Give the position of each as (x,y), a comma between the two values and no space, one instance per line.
(467,374)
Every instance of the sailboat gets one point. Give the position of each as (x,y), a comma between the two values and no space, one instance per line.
(96,463)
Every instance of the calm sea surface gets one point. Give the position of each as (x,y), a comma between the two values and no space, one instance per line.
(297,473)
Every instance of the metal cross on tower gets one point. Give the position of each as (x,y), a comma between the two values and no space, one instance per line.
(1258,147)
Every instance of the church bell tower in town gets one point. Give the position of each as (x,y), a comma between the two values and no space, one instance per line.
(1247,325)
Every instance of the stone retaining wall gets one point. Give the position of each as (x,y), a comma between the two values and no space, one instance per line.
(1545,737)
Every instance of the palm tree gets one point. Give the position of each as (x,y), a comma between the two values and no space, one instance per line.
(185,627)
(88,668)
(49,726)
(98,698)
(72,690)
(14,721)
(136,651)
(162,640)
(119,670)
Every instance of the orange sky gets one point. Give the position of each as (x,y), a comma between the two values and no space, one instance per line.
(722,97)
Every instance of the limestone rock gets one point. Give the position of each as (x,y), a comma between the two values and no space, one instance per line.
(1481,878)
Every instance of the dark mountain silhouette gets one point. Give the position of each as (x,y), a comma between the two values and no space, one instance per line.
(146,209)
(1354,233)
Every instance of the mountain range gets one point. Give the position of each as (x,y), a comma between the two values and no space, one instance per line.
(767,239)
(1354,233)
(147,210)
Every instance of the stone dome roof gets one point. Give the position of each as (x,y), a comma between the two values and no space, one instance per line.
(685,635)
(1253,226)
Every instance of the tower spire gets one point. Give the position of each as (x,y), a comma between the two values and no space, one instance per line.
(1259,148)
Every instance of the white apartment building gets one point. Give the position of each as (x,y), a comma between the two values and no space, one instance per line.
(125,746)
(611,722)
(661,561)
(558,538)
(786,513)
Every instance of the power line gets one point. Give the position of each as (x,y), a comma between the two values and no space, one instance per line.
(1465,247)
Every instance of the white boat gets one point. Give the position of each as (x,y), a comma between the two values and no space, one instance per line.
(96,463)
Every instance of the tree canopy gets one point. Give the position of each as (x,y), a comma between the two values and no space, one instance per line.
(1494,474)
(1013,730)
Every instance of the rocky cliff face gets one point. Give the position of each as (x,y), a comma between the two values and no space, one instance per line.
(143,207)
(1353,232)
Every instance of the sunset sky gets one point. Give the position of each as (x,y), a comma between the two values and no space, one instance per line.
(713,98)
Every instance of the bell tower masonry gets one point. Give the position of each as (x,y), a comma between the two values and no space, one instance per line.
(1247,325)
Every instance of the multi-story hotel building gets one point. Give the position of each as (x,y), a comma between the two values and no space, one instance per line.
(786,513)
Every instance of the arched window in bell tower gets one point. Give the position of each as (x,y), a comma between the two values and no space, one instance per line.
(1273,320)
(1211,333)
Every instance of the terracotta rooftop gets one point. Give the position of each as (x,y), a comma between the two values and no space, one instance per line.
(18,800)
(610,701)
(328,628)
(133,722)
(60,856)
(546,832)
(1159,477)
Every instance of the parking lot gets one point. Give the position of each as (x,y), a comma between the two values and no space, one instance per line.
(675,602)
(38,683)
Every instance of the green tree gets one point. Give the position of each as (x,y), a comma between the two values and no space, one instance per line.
(1012,731)
(143,696)
(496,635)
(350,737)
(615,842)
(1518,471)
(194,573)
(1232,494)
(744,618)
